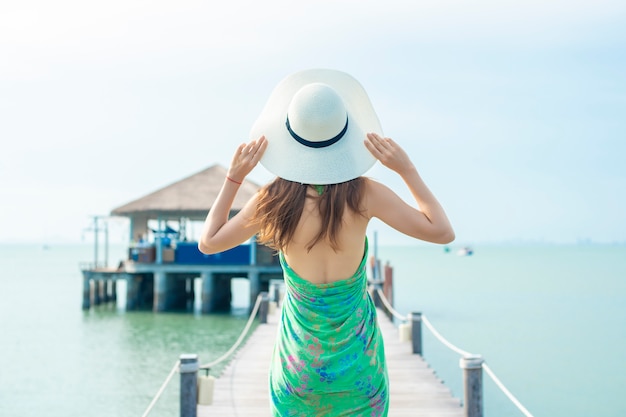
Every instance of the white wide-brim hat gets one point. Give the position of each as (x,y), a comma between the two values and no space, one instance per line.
(315,122)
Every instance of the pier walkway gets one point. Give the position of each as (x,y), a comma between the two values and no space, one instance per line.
(242,389)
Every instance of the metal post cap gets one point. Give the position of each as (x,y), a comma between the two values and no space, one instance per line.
(188,363)
(471,362)
(416,316)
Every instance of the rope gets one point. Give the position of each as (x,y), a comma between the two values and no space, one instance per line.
(389,307)
(209,365)
(443,339)
(158,394)
(241,337)
(506,392)
(428,324)
(459,351)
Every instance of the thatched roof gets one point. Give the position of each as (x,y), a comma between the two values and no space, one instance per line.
(191,197)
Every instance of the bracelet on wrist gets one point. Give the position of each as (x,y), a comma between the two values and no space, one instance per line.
(235,181)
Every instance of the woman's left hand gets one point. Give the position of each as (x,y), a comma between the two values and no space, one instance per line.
(245,159)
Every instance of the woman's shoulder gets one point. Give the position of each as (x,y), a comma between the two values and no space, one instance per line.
(377,197)
(370,181)
(375,188)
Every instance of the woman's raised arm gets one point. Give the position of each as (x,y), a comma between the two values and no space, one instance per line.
(219,233)
(427,222)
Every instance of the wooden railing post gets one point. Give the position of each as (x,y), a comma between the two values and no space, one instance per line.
(472,385)
(188,385)
(277,295)
(376,298)
(416,332)
(264,307)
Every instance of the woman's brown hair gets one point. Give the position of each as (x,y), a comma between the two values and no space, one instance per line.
(281,203)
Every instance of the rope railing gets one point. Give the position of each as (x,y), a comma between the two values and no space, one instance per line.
(209,365)
(506,392)
(457,350)
(389,307)
(425,320)
(443,340)
(160,391)
(242,336)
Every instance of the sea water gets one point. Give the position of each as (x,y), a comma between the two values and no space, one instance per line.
(550,321)
(58,360)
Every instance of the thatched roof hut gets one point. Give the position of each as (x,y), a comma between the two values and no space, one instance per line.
(190,198)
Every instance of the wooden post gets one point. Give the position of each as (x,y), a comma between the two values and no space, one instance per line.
(95,242)
(376,298)
(160,292)
(208,292)
(133,285)
(190,294)
(277,294)
(472,385)
(188,385)
(105,291)
(416,332)
(253,250)
(388,283)
(114,290)
(264,307)
(86,293)
(96,292)
(159,240)
(255,286)
(176,295)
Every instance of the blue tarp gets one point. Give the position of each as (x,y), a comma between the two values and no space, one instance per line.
(188,253)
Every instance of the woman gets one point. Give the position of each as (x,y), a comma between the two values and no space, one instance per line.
(319,134)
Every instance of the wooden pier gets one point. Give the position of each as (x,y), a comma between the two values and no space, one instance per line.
(170,286)
(164,262)
(415,390)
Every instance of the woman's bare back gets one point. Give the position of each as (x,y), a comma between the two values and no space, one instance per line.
(322,264)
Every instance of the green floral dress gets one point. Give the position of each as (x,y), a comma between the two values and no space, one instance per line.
(329,358)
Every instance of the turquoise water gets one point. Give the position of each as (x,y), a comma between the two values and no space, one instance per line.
(549,320)
(57,360)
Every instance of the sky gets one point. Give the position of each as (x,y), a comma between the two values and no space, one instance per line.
(513,112)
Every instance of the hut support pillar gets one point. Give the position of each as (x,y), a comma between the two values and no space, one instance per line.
(133,287)
(106,296)
(176,292)
(208,292)
(160,291)
(86,293)
(96,292)
(113,290)
(255,287)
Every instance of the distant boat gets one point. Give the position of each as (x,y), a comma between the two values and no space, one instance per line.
(466,251)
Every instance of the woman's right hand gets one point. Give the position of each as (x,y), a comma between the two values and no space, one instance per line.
(389,153)
(428,221)
(245,159)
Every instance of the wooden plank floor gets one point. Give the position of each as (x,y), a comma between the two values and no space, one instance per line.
(242,389)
